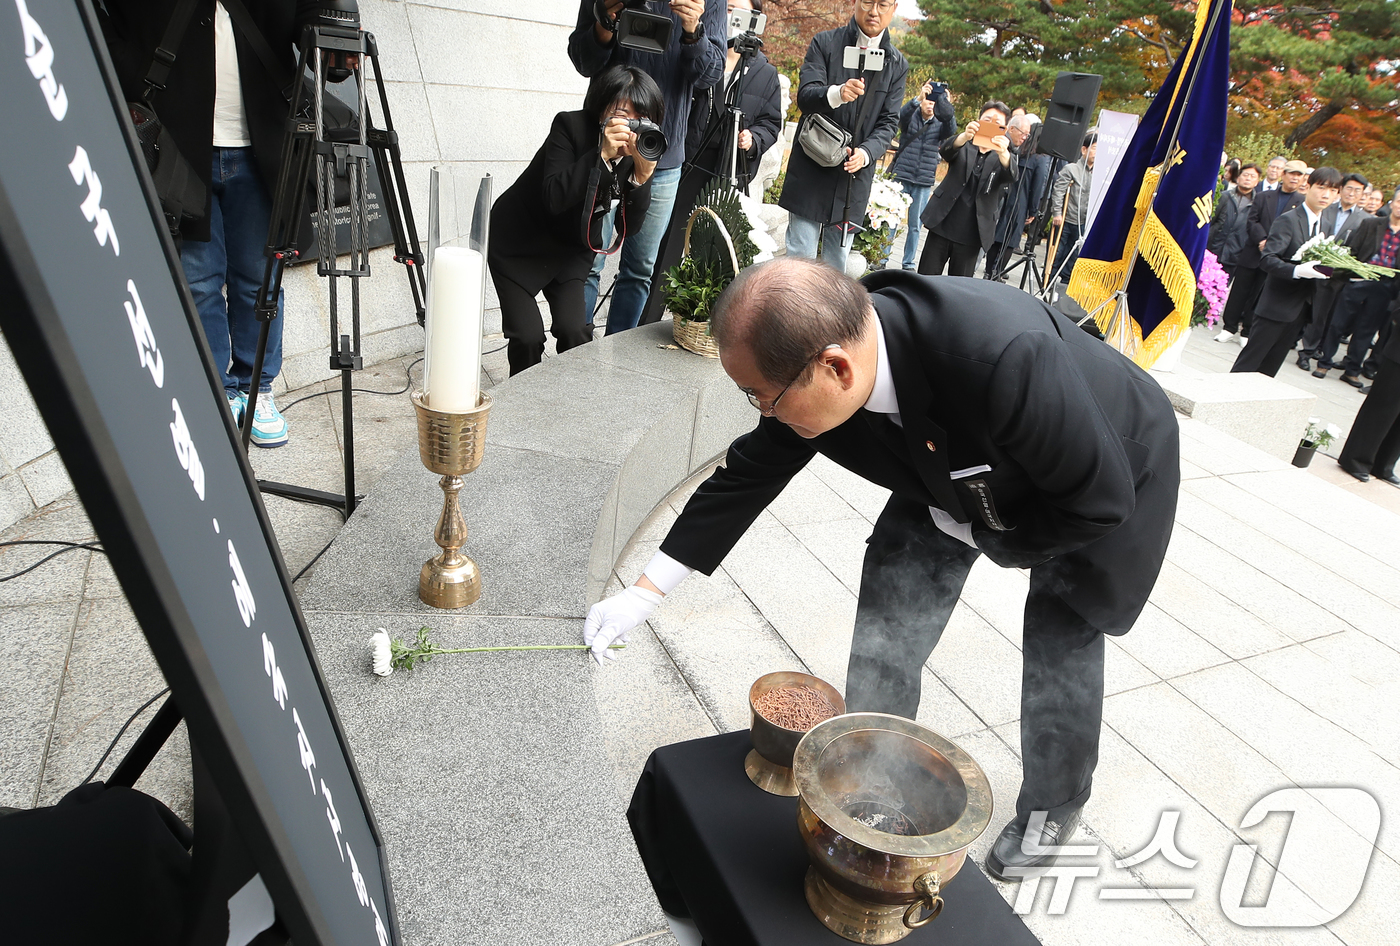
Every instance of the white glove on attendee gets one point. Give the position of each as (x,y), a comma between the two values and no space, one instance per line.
(1307,270)
(610,620)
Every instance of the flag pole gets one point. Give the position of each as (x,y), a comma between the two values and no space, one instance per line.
(1118,327)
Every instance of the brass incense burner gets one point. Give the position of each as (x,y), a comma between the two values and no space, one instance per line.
(769,763)
(452,445)
(887,811)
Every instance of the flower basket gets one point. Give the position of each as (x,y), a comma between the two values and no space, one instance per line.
(694,334)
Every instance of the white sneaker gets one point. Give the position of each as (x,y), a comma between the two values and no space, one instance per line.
(1242,339)
(269,427)
(1225,336)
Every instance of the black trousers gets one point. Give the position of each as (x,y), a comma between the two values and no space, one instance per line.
(1325,302)
(939,251)
(1361,312)
(1066,253)
(1374,441)
(1269,344)
(912,578)
(523,326)
(1238,314)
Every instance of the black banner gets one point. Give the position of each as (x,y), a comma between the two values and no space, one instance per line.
(101,324)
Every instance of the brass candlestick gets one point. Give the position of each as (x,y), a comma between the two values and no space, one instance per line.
(451,444)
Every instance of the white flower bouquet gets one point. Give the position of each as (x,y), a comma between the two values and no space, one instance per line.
(1326,251)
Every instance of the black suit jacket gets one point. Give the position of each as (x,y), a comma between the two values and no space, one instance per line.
(1267,208)
(762,105)
(818,193)
(133,28)
(538,225)
(991,186)
(1082,443)
(1283,297)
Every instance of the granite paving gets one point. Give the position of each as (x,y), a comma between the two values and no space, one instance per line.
(1267,661)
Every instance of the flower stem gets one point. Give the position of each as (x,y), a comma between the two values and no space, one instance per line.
(478,650)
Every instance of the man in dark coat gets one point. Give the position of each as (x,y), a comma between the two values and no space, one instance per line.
(1364,303)
(1339,221)
(750,85)
(1248,279)
(962,213)
(1373,445)
(819,199)
(693,59)
(1285,304)
(1229,226)
(1001,429)
(1019,209)
(923,124)
(226,113)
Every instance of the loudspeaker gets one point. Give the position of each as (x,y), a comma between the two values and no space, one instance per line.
(1067,118)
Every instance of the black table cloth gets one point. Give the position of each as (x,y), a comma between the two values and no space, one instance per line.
(726,854)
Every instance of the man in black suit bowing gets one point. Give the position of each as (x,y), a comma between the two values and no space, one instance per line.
(1286,302)
(1001,429)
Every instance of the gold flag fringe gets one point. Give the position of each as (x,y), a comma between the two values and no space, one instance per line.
(1094,282)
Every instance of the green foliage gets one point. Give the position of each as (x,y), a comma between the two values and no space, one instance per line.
(874,243)
(1013,49)
(775,190)
(1258,147)
(691,287)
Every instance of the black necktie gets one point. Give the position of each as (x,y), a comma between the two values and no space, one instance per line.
(888,431)
(1313,232)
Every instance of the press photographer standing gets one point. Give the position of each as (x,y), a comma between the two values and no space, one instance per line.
(924,123)
(962,215)
(547,227)
(817,198)
(693,59)
(226,114)
(750,85)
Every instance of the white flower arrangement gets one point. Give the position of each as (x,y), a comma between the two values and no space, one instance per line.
(388,654)
(382,651)
(1325,250)
(767,246)
(1319,434)
(888,206)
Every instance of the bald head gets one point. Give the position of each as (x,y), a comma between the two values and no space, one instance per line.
(785,310)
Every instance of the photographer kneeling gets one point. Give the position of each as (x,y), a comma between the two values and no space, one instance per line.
(548,225)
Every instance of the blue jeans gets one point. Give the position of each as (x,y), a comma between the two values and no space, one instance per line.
(239,212)
(637,259)
(918,195)
(802,236)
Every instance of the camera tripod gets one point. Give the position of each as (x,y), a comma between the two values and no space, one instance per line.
(1025,261)
(312,150)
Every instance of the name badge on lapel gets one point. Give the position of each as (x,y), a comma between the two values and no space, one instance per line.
(983,494)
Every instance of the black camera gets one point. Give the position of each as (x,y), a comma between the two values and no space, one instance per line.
(634,27)
(935,88)
(328,13)
(651,143)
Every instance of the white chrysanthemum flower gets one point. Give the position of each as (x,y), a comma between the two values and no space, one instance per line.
(383,652)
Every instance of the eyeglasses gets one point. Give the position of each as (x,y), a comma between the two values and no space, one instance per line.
(884,6)
(773,406)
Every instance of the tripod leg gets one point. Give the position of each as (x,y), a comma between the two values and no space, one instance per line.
(246,428)
(144,749)
(347,424)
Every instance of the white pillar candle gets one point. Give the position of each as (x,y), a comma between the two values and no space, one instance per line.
(452,369)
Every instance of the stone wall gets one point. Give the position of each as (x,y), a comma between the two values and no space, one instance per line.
(472,83)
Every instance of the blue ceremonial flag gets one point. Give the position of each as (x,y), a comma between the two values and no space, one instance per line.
(1156,213)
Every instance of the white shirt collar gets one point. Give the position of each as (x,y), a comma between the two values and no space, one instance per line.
(882,399)
(869,40)
(1313,219)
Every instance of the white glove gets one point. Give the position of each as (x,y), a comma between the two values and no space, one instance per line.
(610,620)
(1307,270)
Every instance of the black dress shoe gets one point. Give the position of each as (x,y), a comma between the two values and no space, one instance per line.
(1353,380)
(1368,373)
(1008,860)
(1304,362)
(1354,470)
(1319,371)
